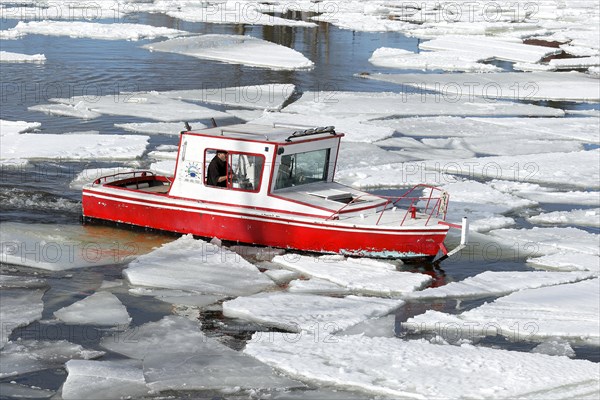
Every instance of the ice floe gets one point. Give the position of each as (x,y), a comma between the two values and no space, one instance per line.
(24,356)
(571,63)
(360,276)
(493,283)
(199,267)
(490,47)
(15,391)
(64,10)
(583,217)
(93,30)
(543,194)
(6,56)
(555,347)
(316,286)
(59,247)
(104,380)
(568,311)
(73,146)
(21,303)
(159,128)
(567,261)
(308,313)
(178,356)
(403,369)
(101,308)
(444,60)
(91,174)
(17,127)
(570,86)
(235,49)
(152,105)
(179,297)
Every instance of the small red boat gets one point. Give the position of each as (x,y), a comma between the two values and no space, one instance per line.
(273,186)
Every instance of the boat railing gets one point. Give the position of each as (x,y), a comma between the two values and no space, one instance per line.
(433,203)
(121,176)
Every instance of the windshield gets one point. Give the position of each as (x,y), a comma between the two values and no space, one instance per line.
(301,168)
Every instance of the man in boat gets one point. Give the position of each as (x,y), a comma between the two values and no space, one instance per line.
(217,170)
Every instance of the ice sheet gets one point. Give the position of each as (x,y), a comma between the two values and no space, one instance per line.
(542,194)
(571,63)
(6,56)
(360,276)
(100,308)
(78,110)
(20,305)
(26,356)
(403,369)
(492,283)
(104,380)
(152,105)
(316,286)
(567,261)
(386,104)
(308,313)
(568,311)
(59,247)
(490,47)
(569,86)
(91,174)
(178,297)
(235,49)
(165,167)
(438,60)
(178,356)
(74,146)
(199,267)
(159,128)
(17,127)
(93,30)
(15,391)
(583,217)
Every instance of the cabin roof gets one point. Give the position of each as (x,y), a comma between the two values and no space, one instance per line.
(276,133)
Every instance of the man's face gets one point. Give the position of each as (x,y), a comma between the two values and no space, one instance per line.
(222,156)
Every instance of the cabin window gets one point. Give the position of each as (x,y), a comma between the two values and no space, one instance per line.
(243,171)
(301,168)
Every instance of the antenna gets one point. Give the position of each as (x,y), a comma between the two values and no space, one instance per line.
(187,126)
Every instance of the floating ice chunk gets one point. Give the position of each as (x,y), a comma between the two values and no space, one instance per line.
(493,283)
(20,305)
(179,297)
(380,327)
(541,241)
(316,286)
(542,194)
(73,146)
(305,312)
(164,167)
(197,266)
(357,21)
(234,12)
(444,60)
(573,63)
(235,49)
(490,47)
(26,356)
(532,67)
(17,127)
(79,110)
(62,247)
(151,105)
(588,217)
(263,97)
(378,105)
(567,261)
(570,86)
(159,128)
(555,347)
(567,311)
(178,356)
(93,30)
(101,308)
(15,391)
(281,276)
(104,380)
(6,56)
(398,369)
(361,276)
(91,174)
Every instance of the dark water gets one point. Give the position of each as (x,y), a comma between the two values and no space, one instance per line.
(40,192)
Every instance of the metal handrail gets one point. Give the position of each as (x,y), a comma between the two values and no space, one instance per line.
(133,174)
(440,204)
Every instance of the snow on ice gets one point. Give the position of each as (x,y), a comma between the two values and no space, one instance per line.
(101,308)
(21,303)
(360,276)
(444,60)
(16,127)
(235,49)
(199,267)
(305,312)
(568,311)
(582,217)
(178,356)
(490,283)
(92,30)
(6,56)
(403,369)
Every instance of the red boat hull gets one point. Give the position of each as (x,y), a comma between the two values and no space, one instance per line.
(279,232)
